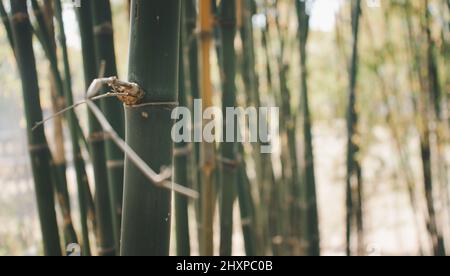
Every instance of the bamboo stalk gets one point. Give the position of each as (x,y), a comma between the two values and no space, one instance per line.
(194,91)
(59,153)
(440,129)
(247,9)
(353,179)
(291,199)
(277,191)
(430,97)
(105,232)
(112,108)
(230,163)
(46,33)
(247,208)
(208,163)
(182,153)
(312,235)
(38,147)
(153,65)
(434,232)
(75,133)
(215,12)
(432,67)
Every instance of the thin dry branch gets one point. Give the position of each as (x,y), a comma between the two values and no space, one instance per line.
(63,111)
(125,90)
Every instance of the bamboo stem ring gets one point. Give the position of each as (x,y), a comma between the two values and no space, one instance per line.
(19,17)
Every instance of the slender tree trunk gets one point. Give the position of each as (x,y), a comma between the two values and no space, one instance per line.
(354,179)
(433,72)
(230,164)
(247,207)
(182,153)
(432,94)
(194,87)
(276,191)
(154,53)
(44,18)
(37,143)
(313,235)
(247,8)
(79,165)
(440,129)
(437,241)
(112,108)
(215,11)
(105,233)
(296,225)
(208,162)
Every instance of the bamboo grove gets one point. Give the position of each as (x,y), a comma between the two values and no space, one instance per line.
(230,53)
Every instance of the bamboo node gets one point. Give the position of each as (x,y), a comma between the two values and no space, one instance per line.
(227,23)
(19,17)
(99,136)
(37,147)
(133,93)
(111,164)
(164,105)
(246,221)
(182,151)
(205,35)
(106,251)
(104,28)
(232,164)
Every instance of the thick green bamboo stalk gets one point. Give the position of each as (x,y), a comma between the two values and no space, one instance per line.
(182,154)
(353,179)
(228,148)
(105,231)
(38,147)
(310,197)
(153,65)
(112,108)
(80,170)
(7,24)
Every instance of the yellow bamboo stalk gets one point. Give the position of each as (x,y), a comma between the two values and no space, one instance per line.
(239,14)
(207,149)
